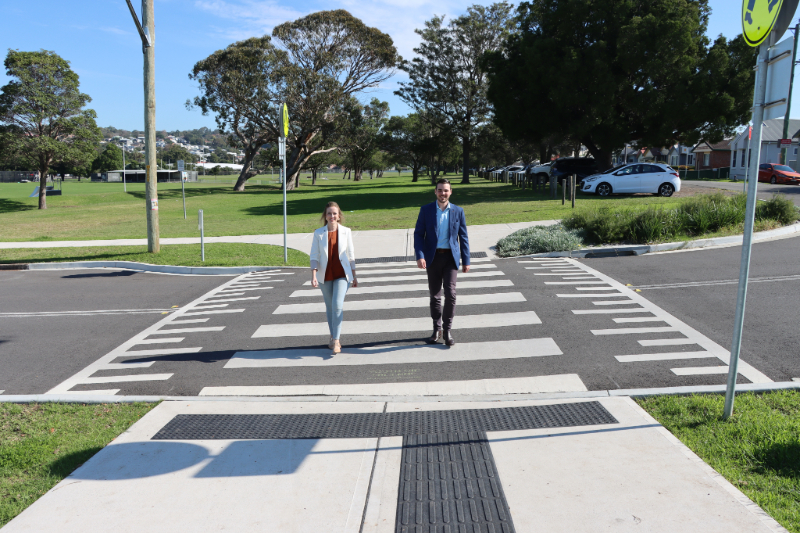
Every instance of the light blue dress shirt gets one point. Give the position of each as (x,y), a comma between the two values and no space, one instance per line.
(443,226)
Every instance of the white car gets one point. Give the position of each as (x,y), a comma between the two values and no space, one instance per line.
(542,172)
(656,178)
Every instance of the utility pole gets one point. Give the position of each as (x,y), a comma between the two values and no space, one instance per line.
(789,97)
(147,32)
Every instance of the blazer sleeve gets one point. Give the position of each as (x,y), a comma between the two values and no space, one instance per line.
(314,252)
(463,238)
(419,235)
(351,252)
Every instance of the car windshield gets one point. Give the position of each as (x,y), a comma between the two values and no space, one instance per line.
(613,169)
(783,168)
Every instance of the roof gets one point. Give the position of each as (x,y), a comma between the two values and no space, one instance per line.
(773,130)
(703,146)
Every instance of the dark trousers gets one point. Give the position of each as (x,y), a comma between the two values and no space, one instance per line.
(442,274)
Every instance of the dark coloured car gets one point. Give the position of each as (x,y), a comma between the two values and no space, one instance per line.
(582,167)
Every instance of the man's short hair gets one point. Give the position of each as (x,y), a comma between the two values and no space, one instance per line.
(443,180)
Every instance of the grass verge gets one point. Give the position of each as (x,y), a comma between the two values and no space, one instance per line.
(757,449)
(221,254)
(41,444)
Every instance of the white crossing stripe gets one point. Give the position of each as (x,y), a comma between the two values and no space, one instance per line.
(161,340)
(401,303)
(615,302)
(190,321)
(629,331)
(638,358)
(528,385)
(591,295)
(700,370)
(162,351)
(210,306)
(596,289)
(233,299)
(126,366)
(359,327)
(394,355)
(578,277)
(416,277)
(629,320)
(223,293)
(552,269)
(666,342)
(558,273)
(575,282)
(186,330)
(407,288)
(609,311)
(125,379)
(227,292)
(407,270)
(217,312)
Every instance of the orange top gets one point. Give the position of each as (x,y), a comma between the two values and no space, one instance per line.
(334,269)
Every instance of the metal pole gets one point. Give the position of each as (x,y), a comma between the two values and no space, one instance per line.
(124,181)
(183,193)
(151,171)
(789,98)
(283,165)
(744,270)
(747,163)
(572,186)
(202,235)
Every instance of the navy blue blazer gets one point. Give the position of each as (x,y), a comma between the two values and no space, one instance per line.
(425,234)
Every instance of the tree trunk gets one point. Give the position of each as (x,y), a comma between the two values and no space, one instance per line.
(465,146)
(43,184)
(244,175)
(357,174)
(603,157)
(415,173)
(313,176)
(371,172)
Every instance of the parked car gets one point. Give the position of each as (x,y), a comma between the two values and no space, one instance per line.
(582,167)
(775,173)
(658,179)
(542,172)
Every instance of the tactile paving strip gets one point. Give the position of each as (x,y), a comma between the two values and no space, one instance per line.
(449,484)
(360,425)
(404,258)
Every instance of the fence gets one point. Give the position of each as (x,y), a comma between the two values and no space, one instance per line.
(710,174)
(16,176)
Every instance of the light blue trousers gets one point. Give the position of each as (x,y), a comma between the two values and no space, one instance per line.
(333,292)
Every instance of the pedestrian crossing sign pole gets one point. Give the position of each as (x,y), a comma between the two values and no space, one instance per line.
(284,131)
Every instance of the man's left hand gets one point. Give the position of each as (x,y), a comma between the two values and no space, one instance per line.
(465,268)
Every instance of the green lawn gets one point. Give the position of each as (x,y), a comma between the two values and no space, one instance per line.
(217,254)
(41,444)
(104,211)
(758,449)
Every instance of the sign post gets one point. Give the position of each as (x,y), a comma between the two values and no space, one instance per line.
(759,18)
(284,131)
(183,189)
(202,240)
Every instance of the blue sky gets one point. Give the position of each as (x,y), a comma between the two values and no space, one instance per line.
(100,41)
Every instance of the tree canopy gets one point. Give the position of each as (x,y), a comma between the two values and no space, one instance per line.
(607,72)
(43,112)
(109,159)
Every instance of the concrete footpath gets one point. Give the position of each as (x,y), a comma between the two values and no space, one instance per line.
(579,465)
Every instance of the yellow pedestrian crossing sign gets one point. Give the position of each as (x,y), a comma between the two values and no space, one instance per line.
(284,120)
(762,17)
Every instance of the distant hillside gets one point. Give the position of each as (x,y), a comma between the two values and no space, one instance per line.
(211,138)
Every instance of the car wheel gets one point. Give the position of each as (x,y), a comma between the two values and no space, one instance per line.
(543,178)
(773,180)
(604,189)
(666,189)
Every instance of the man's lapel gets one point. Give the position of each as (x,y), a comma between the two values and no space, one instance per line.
(435,213)
(453,224)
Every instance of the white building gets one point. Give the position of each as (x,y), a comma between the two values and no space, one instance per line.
(771,135)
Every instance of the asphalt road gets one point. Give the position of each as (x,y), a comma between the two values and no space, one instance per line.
(765,191)
(561,320)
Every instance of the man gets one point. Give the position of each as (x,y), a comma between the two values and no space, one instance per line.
(441,245)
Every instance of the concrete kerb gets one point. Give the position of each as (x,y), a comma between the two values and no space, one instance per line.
(632,393)
(610,251)
(146,267)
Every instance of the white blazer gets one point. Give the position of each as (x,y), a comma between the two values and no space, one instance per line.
(319,252)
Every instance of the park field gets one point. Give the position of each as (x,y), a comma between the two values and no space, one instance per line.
(88,211)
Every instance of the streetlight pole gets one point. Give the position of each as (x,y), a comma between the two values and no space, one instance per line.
(124,182)
(789,97)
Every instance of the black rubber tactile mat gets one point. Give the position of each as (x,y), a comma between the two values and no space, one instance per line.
(449,484)
(404,258)
(359,425)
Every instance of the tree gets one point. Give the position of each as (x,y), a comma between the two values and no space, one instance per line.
(407,140)
(447,82)
(607,72)
(359,135)
(109,159)
(176,152)
(322,60)
(42,108)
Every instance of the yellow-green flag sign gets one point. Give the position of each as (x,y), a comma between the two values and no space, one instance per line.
(758,19)
(284,120)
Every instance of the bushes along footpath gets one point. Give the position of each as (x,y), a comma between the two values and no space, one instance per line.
(539,239)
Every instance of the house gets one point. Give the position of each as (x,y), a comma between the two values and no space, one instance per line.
(771,133)
(680,155)
(710,156)
(627,155)
(653,155)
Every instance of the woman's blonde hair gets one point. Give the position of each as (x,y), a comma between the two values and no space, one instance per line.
(339,209)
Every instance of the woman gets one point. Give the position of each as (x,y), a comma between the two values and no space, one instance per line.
(333,256)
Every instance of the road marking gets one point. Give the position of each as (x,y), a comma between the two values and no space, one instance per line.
(158,351)
(395,355)
(190,321)
(360,327)
(529,385)
(236,299)
(662,356)
(557,273)
(630,331)
(187,330)
(666,342)
(126,379)
(615,302)
(218,312)
(2,391)
(590,295)
(406,270)
(762,279)
(401,303)
(638,319)
(700,370)
(227,292)
(128,366)
(597,289)
(86,313)
(416,277)
(575,282)
(608,311)
(159,341)
(578,277)
(406,288)
(212,306)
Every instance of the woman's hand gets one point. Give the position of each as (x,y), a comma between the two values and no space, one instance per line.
(355,282)
(314,282)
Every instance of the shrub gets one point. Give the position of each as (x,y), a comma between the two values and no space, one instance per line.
(539,239)
(778,208)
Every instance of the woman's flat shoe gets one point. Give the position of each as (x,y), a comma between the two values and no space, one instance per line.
(337,347)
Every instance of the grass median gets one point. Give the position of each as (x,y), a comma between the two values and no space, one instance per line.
(757,449)
(221,254)
(88,211)
(41,444)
